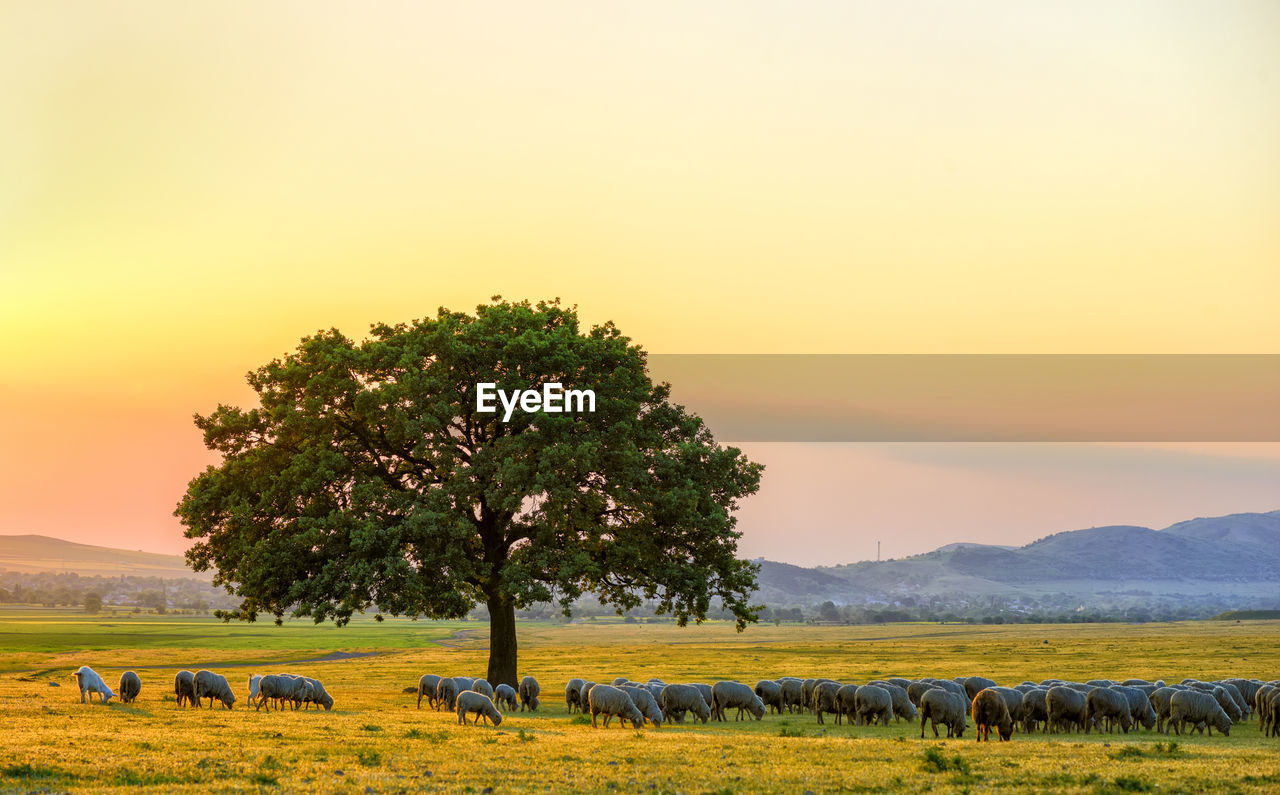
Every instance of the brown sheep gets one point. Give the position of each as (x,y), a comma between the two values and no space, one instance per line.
(989,709)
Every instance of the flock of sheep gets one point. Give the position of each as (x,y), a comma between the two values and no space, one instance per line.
(1052,705)
(191,689)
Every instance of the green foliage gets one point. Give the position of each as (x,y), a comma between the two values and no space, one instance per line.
(367,478)
(1132,784)
(369,757)
(29,772)
(935,761)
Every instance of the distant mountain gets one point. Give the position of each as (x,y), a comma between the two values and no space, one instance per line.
(1238,554)
(34,553)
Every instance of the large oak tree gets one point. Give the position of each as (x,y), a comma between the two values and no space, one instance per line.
(366,479)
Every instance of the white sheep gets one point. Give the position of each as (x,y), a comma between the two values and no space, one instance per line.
(470,701)
(89,682)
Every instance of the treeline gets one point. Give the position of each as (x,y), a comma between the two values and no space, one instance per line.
(96,592)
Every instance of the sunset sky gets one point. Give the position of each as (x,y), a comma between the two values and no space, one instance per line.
(186,189)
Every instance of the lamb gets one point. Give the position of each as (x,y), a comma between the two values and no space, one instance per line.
(730,694)
(1139,706)
(1104,703)
(646,703)
(1065,707)
(130,685)
(469,701)
(446,694)
(1035,711)
(89,682)
(427,687)
(678,699)
(990,709)
(571,693)
(823,698)
(975,684)
(529,690)
(902,706)
(770,692)
(482,686)
(255,683)
(1193,706)
(609,701)
(506,697)
(941,706)
(211,685)
(873,704)
(184,687)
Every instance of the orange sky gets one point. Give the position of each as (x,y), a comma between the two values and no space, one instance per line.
(187,189)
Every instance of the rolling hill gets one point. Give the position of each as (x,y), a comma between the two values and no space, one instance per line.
(34,553)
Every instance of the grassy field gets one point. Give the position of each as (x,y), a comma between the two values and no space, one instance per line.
(376,740)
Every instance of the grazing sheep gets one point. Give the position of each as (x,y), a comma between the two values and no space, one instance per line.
(942,706)
(1103,703)
(184,687)
(482,686)
(446,694)
(1139,706)
(1035,711)
(1099,683)
(973,685)
(1220,695)
(915,691)
(1194,707)
(1013,700)
(609,701)
(529,691)
(254,688)
(463,683)
(705,690)
(572,691)
(823,698)
(990,709)
(806,688)
(469,701)
(1272,707)
(1065,707)
(275,688)
(770,692)
(213,686)
(847,704)
(873,704)
(792,694)
(645,702)
(952,687)
(1261,705)
(506,697)
(898,681)
(584,700)
(318,695)
(130,685)
(727,694)
(902,706)
(1159,700)
(1242,704)
(620,681)
(678,699)
(427,687)
(89,682)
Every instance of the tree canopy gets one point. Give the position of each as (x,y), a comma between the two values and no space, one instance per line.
(366,479)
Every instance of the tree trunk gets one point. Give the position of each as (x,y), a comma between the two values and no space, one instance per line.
(502,642)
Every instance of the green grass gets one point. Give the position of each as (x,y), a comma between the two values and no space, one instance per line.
(376,737)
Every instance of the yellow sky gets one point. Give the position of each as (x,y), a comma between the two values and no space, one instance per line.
(188,188)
